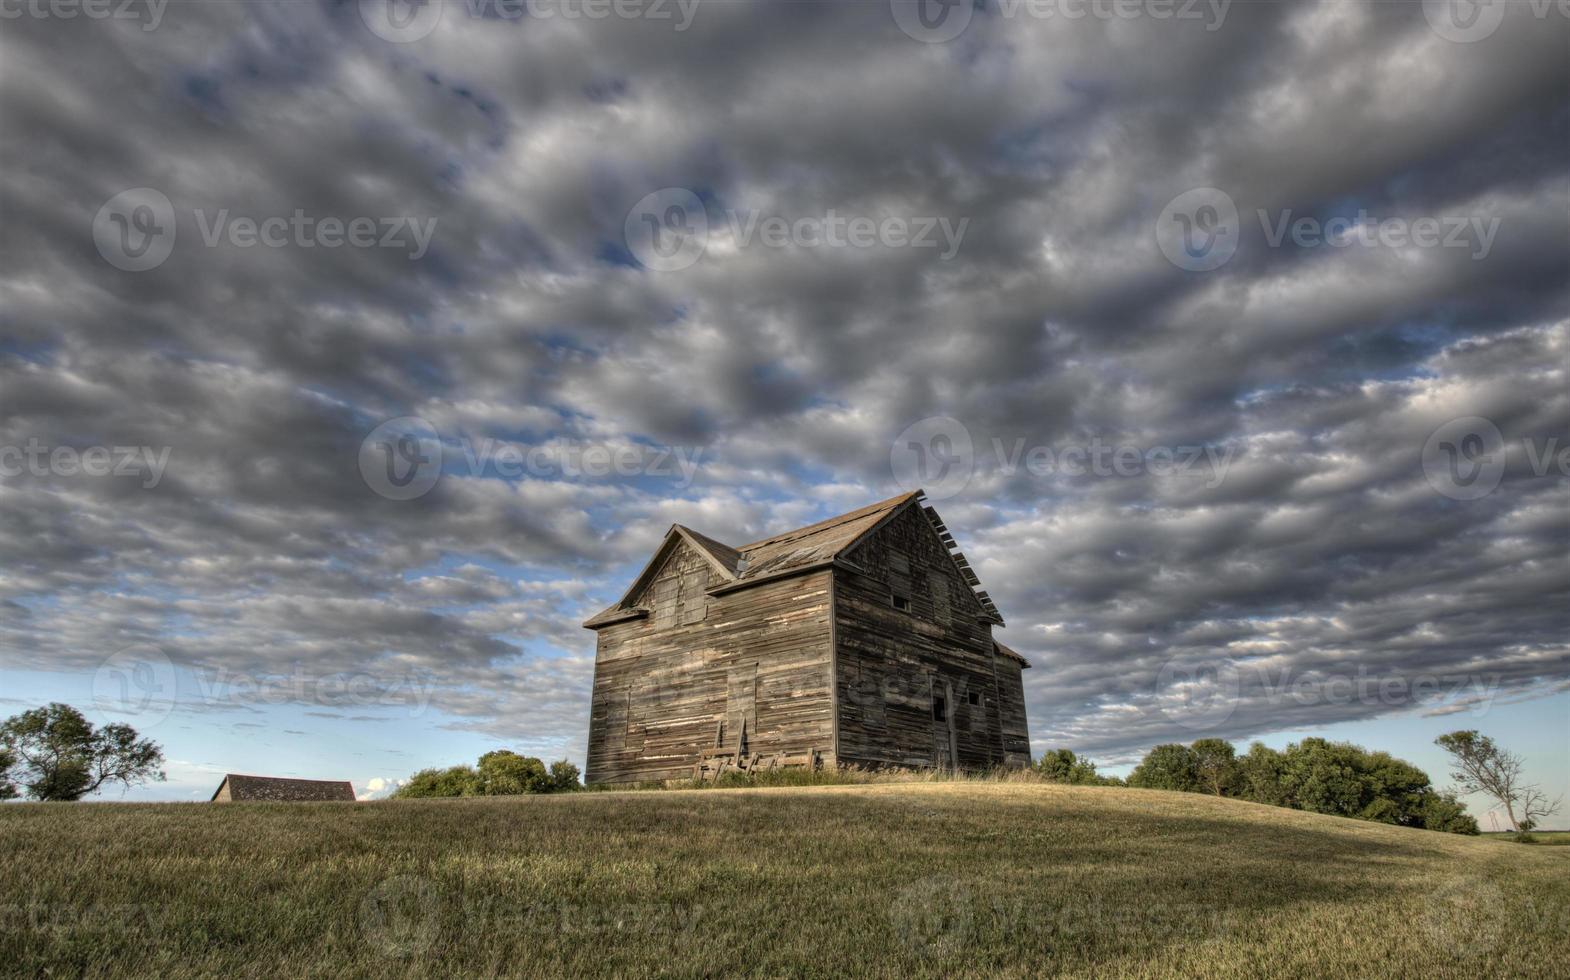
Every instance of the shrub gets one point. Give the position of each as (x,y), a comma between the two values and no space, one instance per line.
(499,773)
(1062,766)
(504,773)
(1442,811)
(435,783)
(1169,766)
(564,777)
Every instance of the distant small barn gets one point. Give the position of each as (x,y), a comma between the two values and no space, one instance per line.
(247,789)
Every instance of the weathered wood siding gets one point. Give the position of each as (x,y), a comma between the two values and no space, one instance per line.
(1011,698)
(894,665)
(701,669)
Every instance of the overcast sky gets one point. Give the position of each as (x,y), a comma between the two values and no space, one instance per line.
(1230,340)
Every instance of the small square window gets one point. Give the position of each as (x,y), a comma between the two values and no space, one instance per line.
(901,603)
(975,698)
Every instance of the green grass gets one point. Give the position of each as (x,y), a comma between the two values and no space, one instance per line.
(1551,837)
(893,880)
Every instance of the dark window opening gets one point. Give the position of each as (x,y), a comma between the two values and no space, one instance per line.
(940,708)
(901,603)
(975,698)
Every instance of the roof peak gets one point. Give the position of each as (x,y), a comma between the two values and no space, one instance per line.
(828,522)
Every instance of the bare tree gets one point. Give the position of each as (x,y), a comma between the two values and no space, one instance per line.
(1535,805)
(1483,767)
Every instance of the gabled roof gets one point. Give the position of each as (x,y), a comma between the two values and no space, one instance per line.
(722,555)
(284,790)
(820,543)
(724,558)
(813,546)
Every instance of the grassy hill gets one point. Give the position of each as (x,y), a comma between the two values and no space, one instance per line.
(894,880)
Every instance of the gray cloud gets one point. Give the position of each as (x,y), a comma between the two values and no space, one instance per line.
(1321,370)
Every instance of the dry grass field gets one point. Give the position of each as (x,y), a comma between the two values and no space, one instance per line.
(888,880)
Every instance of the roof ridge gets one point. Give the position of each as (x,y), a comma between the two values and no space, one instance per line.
(828,522)
(722,553)
(705,538)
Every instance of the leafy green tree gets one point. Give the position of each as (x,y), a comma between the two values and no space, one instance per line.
(1062,766)
(1348,780)
(59,755)
(1215,763)
(1169,766)
(436,783)
(1480,766)
(564,777)
(1315,774)
(1259,775)
(1442,811)
(499,773)
(7,786)
(1321,776)
(504,773)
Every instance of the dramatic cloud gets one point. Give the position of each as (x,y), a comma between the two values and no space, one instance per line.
(1229,499)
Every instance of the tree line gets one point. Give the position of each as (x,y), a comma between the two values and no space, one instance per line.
(1338,778)
(498,773)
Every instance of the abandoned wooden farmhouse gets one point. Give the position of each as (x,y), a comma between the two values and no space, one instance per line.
(861,640)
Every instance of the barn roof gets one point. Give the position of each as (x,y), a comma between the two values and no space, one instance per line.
(817,543)
(813,546)
(273,788)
